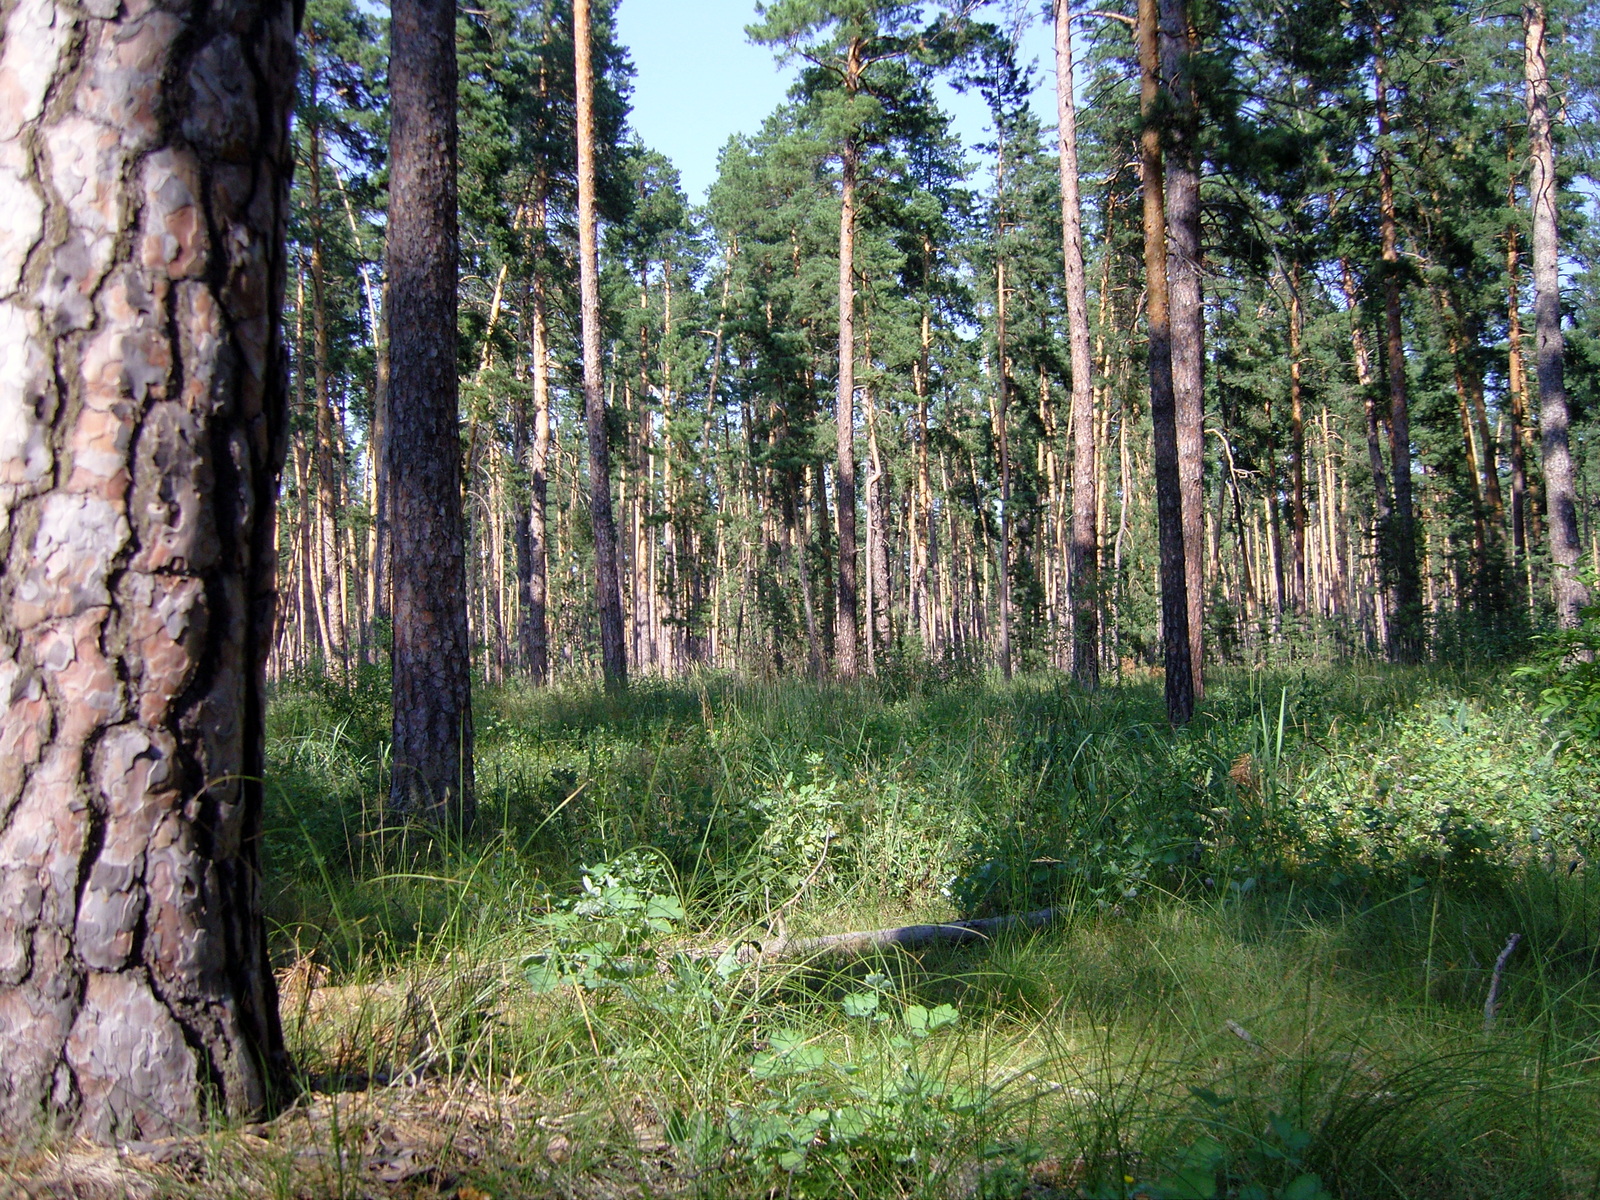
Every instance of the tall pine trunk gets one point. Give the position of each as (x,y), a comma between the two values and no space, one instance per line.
(432,748)
(608,599)
(845,635)
(1560,499)
(1163,414)
(535,570)
(1297,444)
(1083,576)
(1516,387)
(1002,423)
(142,429)
(1187,313)
(381,544)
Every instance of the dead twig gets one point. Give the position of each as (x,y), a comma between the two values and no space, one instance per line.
(1493,1002)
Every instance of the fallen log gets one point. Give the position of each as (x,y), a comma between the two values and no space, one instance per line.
(863,942)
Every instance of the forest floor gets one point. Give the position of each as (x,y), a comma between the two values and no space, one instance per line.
(1275,937)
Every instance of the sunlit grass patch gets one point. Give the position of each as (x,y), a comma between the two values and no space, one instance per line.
(1265,977)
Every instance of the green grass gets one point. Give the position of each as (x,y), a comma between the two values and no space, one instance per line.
(1268,978)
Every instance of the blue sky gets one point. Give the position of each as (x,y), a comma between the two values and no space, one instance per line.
(700,81)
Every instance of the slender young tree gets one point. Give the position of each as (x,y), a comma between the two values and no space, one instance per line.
(432,748)
(1560,497)
(143,410)
(1083,568)
(608,598)
(858,52)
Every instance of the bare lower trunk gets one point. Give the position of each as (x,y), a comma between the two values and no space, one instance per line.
(1297,444)
(536,586)
(608,599)
(1002,378)
(1163,414)
(1516,386)
(1188,315)
(142,428)
(1083,573)
(432,749)
(1382,504)
(845,636)
(382,543)
(326,453)
(1560,500)
(878,534)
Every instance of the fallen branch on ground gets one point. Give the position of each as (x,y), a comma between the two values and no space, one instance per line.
(1491,1006)
(864,942)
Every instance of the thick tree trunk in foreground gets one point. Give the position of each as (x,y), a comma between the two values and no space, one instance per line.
(432,764)
(1560,499)
(1163,409)
(142,423)
(1084,581)
(1188,314)
(608,597)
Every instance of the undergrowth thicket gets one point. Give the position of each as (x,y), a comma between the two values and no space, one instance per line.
(1276,935)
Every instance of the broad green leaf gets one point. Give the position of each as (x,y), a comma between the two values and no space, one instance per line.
(860,1004)
(544,975)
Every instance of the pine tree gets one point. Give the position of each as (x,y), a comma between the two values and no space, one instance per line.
(140,324)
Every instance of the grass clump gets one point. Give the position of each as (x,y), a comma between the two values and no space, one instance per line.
(1276,932)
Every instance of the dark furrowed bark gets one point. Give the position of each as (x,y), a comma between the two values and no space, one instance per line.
(608,598)
(145,162)
(1176,44)
(1163,413)
(432,748)
(1560,496)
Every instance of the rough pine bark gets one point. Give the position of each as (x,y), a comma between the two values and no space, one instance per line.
(1187,312)
(144,169)
(1560,497)
(608,597)
(1163,409)
(432,748)
(1084,560)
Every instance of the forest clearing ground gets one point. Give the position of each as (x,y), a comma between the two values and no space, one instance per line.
(1278,932)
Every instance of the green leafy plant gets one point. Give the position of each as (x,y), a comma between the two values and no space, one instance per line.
(607,934)
(1565,668)
(821,1116)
